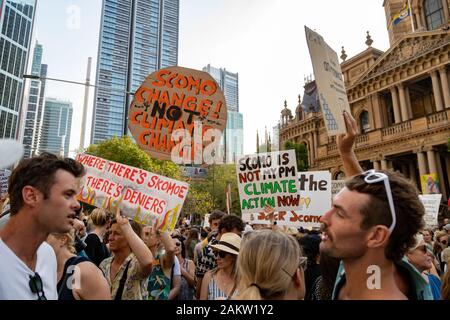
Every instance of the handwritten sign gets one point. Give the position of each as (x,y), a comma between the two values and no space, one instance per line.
(315,200)
(268,179)
(143,196)
(174,100)
(431,203)
(336,186)
(430,183)
(330,83)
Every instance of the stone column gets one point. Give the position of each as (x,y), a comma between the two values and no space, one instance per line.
(445,7)
(403,107)
(437,91)
(397,114)
(418,18)
(412,172)
(447,165)
(408,103)
(432,165)
(316,142)
(404,170)
(384,165)
(445,87)
(376,165)
(422,163)
(442,186)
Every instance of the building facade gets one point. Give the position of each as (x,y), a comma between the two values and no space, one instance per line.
(56,127)
(232,142)
(16,27)
(137,37)
(36,94)
(400,99)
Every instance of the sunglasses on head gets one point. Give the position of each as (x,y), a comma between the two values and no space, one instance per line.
(220,253)
(36,286)
(302,263)
(370,177)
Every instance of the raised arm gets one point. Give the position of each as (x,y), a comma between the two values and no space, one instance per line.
(345,143)
(137,245)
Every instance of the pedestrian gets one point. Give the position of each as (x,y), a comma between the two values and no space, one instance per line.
(96,249)
(130,264)
(270,267)
(322,288)
(78,278)
(221,282)
(310,248)
(43,200)
(191,242)
(187,269)
(445,290)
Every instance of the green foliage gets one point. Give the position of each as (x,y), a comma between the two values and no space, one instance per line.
(301,153)
(198,203)
(125,151)
(215,184)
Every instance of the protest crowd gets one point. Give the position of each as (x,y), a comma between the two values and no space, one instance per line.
(373,244)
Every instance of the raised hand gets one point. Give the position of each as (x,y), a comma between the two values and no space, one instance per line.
(346,141)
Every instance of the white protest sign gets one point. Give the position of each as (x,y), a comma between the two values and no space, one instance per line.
(329,81)
(4,175)
(336,186)
(144,196)
(431,203)
(315,200)
(268,179)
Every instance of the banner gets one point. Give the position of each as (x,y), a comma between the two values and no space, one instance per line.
(330,83)
(400,16)
(4,175)
(336,186)
(431,203)
(315,200)
(430,183)
(268,179)
(176,114)
(144,196)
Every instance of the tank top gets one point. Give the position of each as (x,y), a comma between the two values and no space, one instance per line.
(186,291)
(158,283)
(215,293)
(64,293)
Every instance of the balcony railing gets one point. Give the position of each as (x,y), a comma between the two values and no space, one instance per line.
(398,129)
(437,119)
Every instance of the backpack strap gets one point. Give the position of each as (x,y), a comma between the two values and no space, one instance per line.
(122,283)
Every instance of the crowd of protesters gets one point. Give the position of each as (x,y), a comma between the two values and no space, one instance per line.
(372,245)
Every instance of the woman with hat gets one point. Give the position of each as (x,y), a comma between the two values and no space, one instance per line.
(220,283)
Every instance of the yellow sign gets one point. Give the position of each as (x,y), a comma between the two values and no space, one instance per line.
(430,183)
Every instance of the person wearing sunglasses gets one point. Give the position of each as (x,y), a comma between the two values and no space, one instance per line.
(43,200)
(422,259)
(271,267)
(220,283)
(187,269)
(370,227)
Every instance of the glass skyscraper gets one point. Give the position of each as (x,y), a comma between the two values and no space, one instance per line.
(232,142)
(137,37)
(56,127)
(16,25)
(35,104)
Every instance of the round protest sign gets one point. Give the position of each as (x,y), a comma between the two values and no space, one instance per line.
(177,111)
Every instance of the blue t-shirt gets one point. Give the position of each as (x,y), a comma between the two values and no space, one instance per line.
(435,284)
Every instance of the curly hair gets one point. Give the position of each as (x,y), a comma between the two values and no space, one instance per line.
(409,210)
(229,222)
(39,172)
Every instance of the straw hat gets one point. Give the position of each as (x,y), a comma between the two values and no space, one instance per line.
(419,241)
(229,242)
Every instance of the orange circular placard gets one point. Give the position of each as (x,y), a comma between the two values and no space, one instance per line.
(171,99)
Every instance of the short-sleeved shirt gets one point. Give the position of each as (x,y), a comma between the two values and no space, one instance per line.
(15,274)
(135,285)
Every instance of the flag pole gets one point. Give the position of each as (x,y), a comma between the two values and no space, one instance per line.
(411,16)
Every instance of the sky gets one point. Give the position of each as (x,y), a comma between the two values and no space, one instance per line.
(262,40)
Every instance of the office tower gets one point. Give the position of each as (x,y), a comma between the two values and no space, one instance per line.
(137,37)
(16,26)
(232,142)
(33,114)
(56,127)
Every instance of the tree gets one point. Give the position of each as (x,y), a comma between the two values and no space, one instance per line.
(215,184)
(301,152)
(125,151)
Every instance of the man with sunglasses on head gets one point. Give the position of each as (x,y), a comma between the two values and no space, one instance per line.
(43,200)
(370,227)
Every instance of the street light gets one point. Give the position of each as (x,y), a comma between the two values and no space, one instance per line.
(86,95)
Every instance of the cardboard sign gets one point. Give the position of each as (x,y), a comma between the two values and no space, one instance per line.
(174,100)
(431,203)
(144,196)
(315,200)
(330,83)
(4,175)
(430,183)
(268,179)
(336,186)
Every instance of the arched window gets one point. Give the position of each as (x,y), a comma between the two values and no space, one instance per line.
(364,122)
(434,14)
